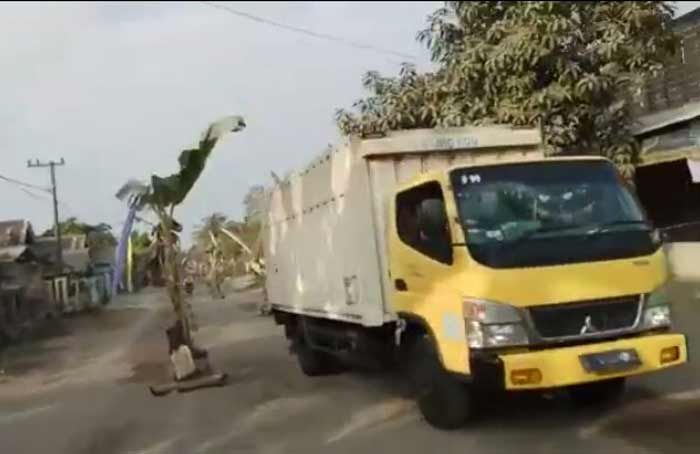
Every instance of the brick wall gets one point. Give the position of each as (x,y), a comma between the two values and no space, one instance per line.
(680,81)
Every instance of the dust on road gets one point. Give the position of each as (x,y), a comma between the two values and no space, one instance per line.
(84,385)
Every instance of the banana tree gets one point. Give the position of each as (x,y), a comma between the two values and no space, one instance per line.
(163,194)
(216,265)
(252,257)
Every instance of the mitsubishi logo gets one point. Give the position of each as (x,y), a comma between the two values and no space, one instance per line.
(588,326)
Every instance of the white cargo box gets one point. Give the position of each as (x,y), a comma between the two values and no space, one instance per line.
(324,241)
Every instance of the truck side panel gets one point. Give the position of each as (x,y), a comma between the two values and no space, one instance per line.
(320,249)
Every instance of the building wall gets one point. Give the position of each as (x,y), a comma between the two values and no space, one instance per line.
(680,81)
(35,297)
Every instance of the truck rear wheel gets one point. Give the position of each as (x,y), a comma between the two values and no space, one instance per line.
(596,393)
(444,401)
(313,363)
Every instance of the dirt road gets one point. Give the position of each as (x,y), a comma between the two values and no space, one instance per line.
(81,387)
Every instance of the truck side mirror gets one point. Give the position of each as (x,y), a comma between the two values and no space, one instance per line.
(432,218)
(660,236)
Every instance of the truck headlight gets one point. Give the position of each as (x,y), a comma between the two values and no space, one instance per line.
(657,317)
(657,309)
(492,324)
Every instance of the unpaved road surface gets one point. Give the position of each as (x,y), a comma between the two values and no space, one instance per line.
(80,386)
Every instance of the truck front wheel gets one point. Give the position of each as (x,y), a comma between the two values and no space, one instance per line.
(444,401)
(596,393)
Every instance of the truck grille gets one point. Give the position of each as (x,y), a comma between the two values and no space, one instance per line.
(597,316)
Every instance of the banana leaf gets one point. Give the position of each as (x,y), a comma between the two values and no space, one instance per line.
(172,190)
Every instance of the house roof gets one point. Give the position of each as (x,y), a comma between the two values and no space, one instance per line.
(45,249)
(12,253)
(16,232)
(688,19)
(666,117)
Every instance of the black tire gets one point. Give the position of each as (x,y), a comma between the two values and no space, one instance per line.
(444,401)
(313,363)
(597,393)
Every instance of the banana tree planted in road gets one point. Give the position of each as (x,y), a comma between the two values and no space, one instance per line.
(161,196)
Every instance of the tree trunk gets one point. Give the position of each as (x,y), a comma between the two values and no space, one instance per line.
(172,270)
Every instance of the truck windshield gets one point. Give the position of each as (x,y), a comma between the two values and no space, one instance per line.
(549,213)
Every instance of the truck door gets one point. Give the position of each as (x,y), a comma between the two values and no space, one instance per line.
(418,257)
(422,275)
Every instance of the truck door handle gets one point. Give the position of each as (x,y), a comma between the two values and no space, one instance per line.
(400,285)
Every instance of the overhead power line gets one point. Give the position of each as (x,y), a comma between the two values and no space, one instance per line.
(22,183)
(33,195)
(307,32)
(45,198)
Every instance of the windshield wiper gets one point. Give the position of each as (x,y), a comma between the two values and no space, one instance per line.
(606,226)
(590,229)
(552,228)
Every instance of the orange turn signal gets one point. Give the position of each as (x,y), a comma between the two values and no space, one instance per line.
(669,355)
(526,377)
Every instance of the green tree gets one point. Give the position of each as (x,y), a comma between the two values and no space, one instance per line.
(569,67)
(140,242)
(97,235)
(230,245)
(207,236)
(210,225)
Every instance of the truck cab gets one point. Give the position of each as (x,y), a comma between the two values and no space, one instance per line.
(542,274)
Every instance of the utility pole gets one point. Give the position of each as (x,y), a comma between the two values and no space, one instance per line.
(57,231)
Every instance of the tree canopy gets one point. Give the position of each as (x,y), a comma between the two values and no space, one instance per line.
(212,225)
(97,235)
(569,67)
(253,202)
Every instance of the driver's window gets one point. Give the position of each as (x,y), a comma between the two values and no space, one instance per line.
(434,242)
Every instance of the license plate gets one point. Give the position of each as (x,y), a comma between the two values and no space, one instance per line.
(611,361)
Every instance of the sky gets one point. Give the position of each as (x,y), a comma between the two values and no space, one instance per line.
(118,89)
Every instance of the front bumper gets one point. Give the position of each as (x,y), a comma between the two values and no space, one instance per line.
(562,366)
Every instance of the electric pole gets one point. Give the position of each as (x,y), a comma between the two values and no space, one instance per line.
(57,230)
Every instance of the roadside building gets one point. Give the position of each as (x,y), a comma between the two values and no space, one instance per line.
(24,297)
(668,130)
(679,82)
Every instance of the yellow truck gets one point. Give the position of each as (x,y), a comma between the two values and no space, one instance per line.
(468,259)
